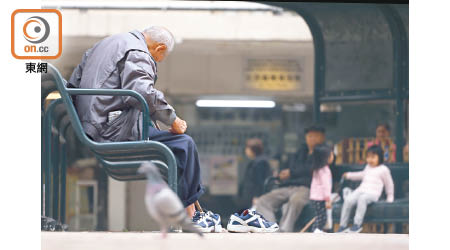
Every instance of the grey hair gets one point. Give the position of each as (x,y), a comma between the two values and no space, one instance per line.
(161,35)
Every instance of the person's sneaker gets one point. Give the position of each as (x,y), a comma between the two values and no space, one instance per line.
(176,229)
(318,231)
(250,221)
(355,229)
(342,230)
(207,222)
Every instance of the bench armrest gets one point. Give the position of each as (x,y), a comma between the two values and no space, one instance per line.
(119,92)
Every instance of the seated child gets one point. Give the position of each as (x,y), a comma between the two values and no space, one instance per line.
(374,176)
(320,191)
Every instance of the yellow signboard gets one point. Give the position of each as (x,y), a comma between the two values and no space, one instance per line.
(273,75)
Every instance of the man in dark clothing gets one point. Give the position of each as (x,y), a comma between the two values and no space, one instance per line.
(295,181)
(128,61)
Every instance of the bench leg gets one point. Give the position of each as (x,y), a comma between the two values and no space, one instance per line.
(55,177)
(62,211)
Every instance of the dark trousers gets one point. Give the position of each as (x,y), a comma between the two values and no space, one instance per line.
(185,151)
(321,214)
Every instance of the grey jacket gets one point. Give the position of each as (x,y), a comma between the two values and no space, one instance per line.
(120,61)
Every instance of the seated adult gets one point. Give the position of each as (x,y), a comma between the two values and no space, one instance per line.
(383,139)
(129,61)
(256,172)
(295,180)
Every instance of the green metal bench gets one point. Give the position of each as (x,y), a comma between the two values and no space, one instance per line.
(378,212)
(119,159)
(53,156)
(381,211)
(53,165)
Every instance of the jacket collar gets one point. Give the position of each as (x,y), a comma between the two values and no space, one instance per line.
(141,38)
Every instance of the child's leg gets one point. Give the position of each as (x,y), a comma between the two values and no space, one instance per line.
(363,201)
(316,212)
(349,203)
(321,215)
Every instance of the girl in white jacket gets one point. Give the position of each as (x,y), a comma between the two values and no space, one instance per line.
(374,177)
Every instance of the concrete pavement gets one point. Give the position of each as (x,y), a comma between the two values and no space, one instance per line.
(219,241)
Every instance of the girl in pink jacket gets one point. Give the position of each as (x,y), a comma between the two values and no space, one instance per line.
(373,178)
(321,183)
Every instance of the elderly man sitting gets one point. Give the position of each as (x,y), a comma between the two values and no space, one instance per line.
(129,61)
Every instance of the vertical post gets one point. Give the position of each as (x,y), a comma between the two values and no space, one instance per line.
(48,153)
(95,205)
(47,159)
(319,60)
(117,205)
(316,105)
(77,207)
(399,128)
(62,211)
(400,46)
(319,72)
(42,164)
(55,175)
(63,174)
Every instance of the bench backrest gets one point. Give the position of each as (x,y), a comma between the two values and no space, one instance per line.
(71,111)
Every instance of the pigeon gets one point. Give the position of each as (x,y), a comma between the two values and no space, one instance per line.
(163,204)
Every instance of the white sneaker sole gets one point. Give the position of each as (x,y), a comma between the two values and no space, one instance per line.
(355,232)
(214,229)
(248,229)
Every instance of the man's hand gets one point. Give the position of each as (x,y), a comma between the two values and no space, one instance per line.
(344,176)
(284,174)
(178,126)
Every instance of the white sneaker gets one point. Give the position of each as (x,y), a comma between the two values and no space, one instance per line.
(250,221)
(207,222)
(318,231)
(343,229)
(355,229)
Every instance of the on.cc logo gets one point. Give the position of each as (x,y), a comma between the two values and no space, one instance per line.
(36,34)
(36,29)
